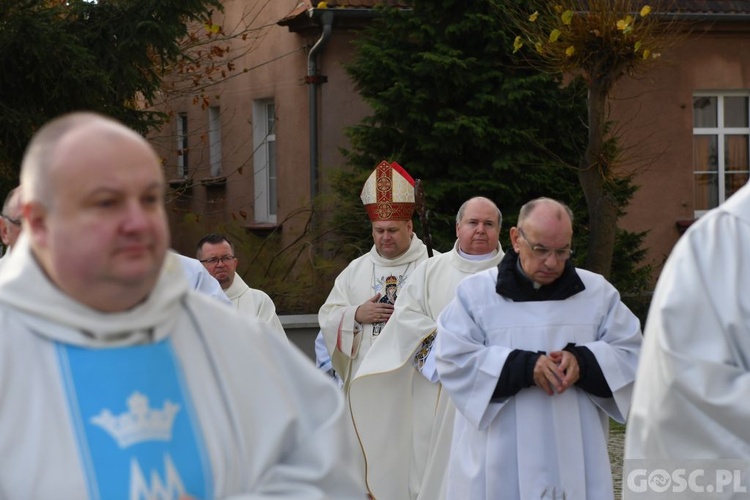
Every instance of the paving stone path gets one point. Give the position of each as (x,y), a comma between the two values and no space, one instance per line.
(616,449)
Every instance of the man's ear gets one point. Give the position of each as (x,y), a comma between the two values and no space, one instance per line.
(4,231)
(35,222)
(514,238)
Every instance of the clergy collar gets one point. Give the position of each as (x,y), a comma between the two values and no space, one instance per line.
(513,283)
(475,257)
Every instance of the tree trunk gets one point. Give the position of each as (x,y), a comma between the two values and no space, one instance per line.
(602,206)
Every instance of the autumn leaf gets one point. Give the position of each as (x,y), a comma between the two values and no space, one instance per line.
(517,44)
(533,17)
(554,35)
(567,17)
(570,51)
(646,10)
(624,25)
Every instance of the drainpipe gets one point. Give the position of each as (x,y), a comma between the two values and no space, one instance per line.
(315,80)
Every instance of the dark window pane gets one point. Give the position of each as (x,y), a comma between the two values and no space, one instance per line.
(705,153)
(735,112)
(704,111)
(272,195)
(706,191)
(735,153)
(733,182)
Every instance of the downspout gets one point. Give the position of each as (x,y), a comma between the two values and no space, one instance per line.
(315,80)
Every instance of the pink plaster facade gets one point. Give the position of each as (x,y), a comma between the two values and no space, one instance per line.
(276,69)
(655,112)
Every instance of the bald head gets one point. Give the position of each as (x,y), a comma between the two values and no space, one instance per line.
(478,226)
(93,196)
(550,208)
(543,238)
(57,141)
(12,200)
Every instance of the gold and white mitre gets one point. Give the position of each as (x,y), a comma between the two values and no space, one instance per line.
(388,194)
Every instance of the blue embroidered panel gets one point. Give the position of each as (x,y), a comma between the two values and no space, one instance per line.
(139,437)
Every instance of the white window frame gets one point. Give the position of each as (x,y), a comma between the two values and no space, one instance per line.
(720,131)
(264,160)
(182,145)
(214,140)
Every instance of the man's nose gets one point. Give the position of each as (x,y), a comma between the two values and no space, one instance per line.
(136,217)
(553,259)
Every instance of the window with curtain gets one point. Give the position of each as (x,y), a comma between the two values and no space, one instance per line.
(182,145)
(214,140)
(264,160)
(721,141)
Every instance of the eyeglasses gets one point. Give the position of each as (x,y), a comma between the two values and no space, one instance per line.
(215,260)
(10,219)
(543,253)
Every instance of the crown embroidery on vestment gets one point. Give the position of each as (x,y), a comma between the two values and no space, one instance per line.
(140,423)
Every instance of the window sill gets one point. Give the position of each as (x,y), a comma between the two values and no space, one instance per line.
(183,182)
(684,224)
(263,228)
(214,181)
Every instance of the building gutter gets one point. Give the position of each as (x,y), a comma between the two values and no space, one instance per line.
(314,80)
(325,18)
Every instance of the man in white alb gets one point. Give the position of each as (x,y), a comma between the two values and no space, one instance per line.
(135,385)
(403,419)
(537,355)
(216,253)
(690,399)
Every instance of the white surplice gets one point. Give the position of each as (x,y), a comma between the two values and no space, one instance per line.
(530,445)
(90,397)
(404,421)
(254,302)
(691,395)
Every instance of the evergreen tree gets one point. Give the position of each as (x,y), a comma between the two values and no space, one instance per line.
(65,55)
(451,106)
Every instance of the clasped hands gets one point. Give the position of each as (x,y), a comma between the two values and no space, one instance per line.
(372,311)
(556,372)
